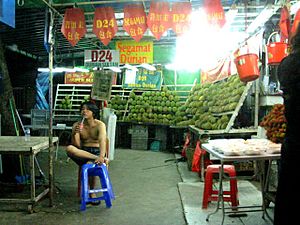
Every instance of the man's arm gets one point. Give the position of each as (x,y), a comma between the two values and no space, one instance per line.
(75,135)
(102,139)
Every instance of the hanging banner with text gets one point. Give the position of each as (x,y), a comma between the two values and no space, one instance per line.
(225,69)
(134,22)
(159,18)
(101,89)
(215,12)
(295,25)
(142,79)
(105,24)
(132,52)
(101,58)
(73,26)
(181,17)
(79,78)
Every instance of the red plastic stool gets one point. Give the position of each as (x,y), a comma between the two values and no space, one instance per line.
(212,195)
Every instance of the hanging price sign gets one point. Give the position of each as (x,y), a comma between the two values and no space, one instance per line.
(73,26)
(159,18)
(101,58)
(135,21)
(181,17)
(105,24)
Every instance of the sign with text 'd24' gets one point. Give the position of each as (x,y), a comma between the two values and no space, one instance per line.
(101,58)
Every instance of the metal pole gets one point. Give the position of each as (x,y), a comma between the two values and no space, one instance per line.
(175,79)
(256,108)
(97,2)
(51,147)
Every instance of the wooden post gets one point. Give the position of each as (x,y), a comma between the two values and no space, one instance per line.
(7,117)
(51,146)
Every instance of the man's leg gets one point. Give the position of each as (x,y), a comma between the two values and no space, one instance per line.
(73,151)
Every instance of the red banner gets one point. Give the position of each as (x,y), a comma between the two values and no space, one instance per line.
(134,22)
(181,17)
(214,12)
(159,18)
(73,26)
(105,24)
(295,24)
(284,23)
(222,71)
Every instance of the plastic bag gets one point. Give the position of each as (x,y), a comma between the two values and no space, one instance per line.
(196,164)
(186,145)
(197,158)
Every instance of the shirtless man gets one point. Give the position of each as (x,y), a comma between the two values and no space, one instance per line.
(89,140)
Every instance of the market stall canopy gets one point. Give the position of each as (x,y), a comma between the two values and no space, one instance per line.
(32,20)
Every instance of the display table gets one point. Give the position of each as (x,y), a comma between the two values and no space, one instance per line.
(226,157)
(230,133)
(18,145)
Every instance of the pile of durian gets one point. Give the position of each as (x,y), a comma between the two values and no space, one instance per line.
(158,107)
(118,104)
(207,103)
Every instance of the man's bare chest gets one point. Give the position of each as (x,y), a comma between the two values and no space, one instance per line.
(89,133)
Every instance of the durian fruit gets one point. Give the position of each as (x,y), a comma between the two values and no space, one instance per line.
(159,107)
(118,104)
(210,101)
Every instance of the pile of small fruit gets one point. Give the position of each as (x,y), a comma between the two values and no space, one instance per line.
(66,103)
(275,124)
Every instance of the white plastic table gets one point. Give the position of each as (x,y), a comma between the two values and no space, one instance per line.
(240,158)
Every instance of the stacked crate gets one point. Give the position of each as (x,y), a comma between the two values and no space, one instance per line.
(139,137)
(161,136)
(40,118)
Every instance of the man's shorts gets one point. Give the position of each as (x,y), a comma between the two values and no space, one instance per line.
(80,161)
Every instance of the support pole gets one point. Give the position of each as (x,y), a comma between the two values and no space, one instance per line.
(175,79)
(51,146)
(256,108)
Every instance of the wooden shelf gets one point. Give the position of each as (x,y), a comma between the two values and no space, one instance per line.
(270,100)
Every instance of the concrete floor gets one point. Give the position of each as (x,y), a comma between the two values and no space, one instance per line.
(148,190)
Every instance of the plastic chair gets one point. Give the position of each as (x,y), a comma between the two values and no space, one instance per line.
(106,161)
(106,187)
(212,195)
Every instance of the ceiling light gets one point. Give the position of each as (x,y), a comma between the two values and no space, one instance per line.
(79,69)
(148,66)
(130,67)
(114,69)
(63,69)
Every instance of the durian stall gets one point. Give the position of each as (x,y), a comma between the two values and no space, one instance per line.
(213,108)
(216,110)
(209,109)
(150,114)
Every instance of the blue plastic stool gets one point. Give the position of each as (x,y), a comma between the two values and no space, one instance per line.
(106,187)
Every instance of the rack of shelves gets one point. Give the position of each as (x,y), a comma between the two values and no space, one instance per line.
(76,95)
(238,107)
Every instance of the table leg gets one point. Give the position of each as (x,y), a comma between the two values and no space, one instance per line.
(202,167)
(265,188)
(32,187)
(32,177)
(220,195)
